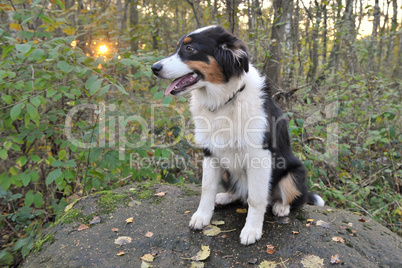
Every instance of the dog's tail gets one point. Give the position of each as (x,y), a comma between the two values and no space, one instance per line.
(315,199)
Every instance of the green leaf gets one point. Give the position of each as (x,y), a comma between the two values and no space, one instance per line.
(38,200)
(121,89)
(60,4)
(15,111)
(167,100)
(7,51)
(300,122)
(3,154)
(52,176)
(35,100)
(22,161)
(64,66)
(34,176)
(62,154)
(126,62)
(7,145)
(25,178)
(32,111)
(104,90)
(95,86)
(6,258)
(7,99)
(23,48)
(29,198)
(158,95)
(90,81)
(38,54)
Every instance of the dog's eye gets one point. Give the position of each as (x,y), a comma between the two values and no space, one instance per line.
(189,48)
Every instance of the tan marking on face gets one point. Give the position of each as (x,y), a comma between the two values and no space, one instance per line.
(211,71)
(187,40)
(288,189)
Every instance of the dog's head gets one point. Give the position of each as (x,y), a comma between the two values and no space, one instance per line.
(207,55)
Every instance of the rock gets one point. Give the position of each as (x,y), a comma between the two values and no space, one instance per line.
(297,240)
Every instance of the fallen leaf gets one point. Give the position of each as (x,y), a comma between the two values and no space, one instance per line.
(95,220)
(224,236)
(131,189)
(197,264)
(329,210)
(148,257)
(211,230)
(218,223)
(82,227)
(149,234)
(115,230)
(350,224)
(270,249)
(120,253)
(310,220)
(338,239)
(267,264)
(241,210)
(187,211)
(312,261)
(308,224)
(295,232)
(123,240)
(335,259)
(130,220)
(362,220)
(323,224)
(252,261)
(201,255)
(144,264)
(160,194)
(344,227)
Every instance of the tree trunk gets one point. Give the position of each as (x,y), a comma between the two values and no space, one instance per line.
(133,25)
(392,36)
(314,53)
(373,44)
(231,11)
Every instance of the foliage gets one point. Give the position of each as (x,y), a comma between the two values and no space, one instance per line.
(52,70)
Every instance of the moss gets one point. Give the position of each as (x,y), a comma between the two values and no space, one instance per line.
(70,216)
(143,191)
(43,240)
(108,201)
(301,217)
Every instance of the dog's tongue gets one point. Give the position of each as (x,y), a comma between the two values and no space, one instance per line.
(178,83)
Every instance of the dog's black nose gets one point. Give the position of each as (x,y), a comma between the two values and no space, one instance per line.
(156,68)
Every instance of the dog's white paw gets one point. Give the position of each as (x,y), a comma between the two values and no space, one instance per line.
(200,219)
(223,199)
(280,210)
(249,234)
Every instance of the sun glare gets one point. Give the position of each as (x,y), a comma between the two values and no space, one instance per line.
(102,49)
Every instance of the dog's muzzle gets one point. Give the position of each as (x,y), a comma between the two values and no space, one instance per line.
(156,68)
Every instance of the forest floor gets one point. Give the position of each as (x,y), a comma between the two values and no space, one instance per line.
(155,233)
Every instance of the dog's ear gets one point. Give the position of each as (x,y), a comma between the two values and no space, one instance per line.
(232,56)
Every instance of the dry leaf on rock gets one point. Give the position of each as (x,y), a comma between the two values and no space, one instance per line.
(312,261)
(148,257)
(82,227)
(338,239)
(115,230)
(95,220)
(144,264)
(323,224)
(160,194)
(130,220)
(120,253)
(201,255)
(123,240)
(134,203)
(212,230)
(197,264)
(310,220)
(149,234)
(335,259)
(362,220)
(187,211)
(270,249)
(241,210)
(267,264)
(295,232)
(252,261)
(218,223)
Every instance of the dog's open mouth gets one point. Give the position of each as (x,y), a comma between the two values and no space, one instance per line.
(181,83)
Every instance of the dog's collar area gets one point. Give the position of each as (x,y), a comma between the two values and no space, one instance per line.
(231,98)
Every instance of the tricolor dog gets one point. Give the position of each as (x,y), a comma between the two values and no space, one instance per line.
(242,131)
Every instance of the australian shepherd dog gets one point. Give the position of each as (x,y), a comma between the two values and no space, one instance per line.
(242,131)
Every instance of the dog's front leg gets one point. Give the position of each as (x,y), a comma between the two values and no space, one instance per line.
(210,179)
(258,181)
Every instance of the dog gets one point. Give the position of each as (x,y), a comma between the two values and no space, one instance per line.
(242,131)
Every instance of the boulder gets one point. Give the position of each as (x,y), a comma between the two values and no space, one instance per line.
(160,236)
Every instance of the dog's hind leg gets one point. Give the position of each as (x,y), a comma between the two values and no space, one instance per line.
(287,191)
(226,198)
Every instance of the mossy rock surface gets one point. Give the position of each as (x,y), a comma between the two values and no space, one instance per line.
(366,243)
